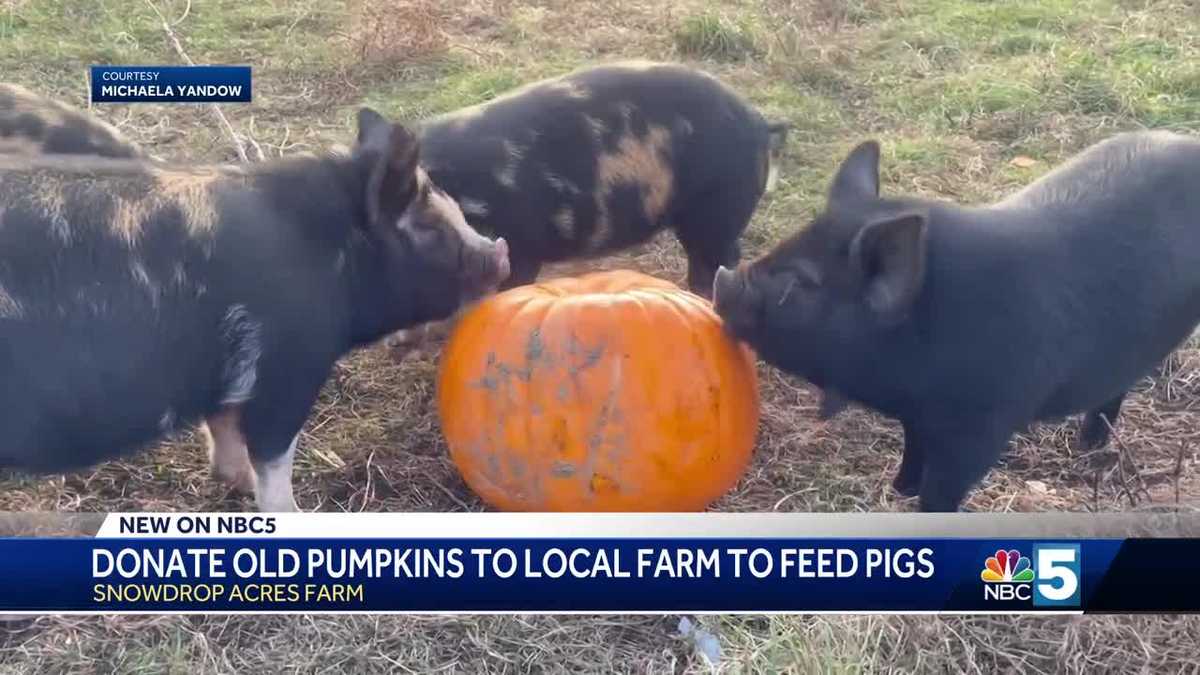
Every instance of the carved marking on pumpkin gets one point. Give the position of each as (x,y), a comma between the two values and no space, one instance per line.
(590,356)
(580,358)
(535,351)
(596,437)
(487,381)
(559,436)
(515,466)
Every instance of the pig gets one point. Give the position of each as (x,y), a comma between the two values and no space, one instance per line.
(603,158)
(31,124)
(968,323)
(138,297)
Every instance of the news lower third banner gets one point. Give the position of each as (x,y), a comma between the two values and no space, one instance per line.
(171,84)
(589,563)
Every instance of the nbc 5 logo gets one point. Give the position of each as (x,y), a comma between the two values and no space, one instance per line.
(1050,579)
(1057,582)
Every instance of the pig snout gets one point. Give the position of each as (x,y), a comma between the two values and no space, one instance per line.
(735,300)
(486,266)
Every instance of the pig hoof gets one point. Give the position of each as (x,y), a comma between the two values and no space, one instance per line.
(906,486)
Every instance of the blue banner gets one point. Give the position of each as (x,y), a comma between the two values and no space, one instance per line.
(597,575)
(171,84)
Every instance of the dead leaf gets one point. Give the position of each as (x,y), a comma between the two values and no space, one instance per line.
(1037,487)
(1023,162)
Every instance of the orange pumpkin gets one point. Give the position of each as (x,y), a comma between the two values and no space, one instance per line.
(614,391)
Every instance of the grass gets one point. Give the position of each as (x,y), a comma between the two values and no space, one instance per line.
(716,36)
(971,99)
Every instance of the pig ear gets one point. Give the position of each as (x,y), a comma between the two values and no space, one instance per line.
(394,153)
(370,125)
(889,257)
(858,177)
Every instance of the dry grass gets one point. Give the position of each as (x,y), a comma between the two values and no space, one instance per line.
(918,73)
(268,645)
(595,644)
(390,33)
(981,645)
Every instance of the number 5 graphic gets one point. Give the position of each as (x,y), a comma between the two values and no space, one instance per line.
(1057,567)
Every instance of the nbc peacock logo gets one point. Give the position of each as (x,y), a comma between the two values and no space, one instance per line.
(1007,566)
(1007,576)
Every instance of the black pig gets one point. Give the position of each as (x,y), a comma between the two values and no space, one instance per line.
(968,323)
(137,297)
(33,125)
(604,158)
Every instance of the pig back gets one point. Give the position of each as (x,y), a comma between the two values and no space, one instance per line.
(106,309)
(598,159)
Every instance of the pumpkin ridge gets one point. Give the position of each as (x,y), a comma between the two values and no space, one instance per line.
(535,351)
(719,358)
(685,313)
(499,403)
(649,387)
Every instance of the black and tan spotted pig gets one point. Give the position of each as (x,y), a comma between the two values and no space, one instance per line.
(604,158)
(138,297)
(32,124)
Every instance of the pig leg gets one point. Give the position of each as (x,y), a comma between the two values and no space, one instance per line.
(702,268)
(704,257)
(954,457)
(228,457)
(912,465)
(1093,432)
(709,229)
(272,452)
(271,421)
(273,490)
